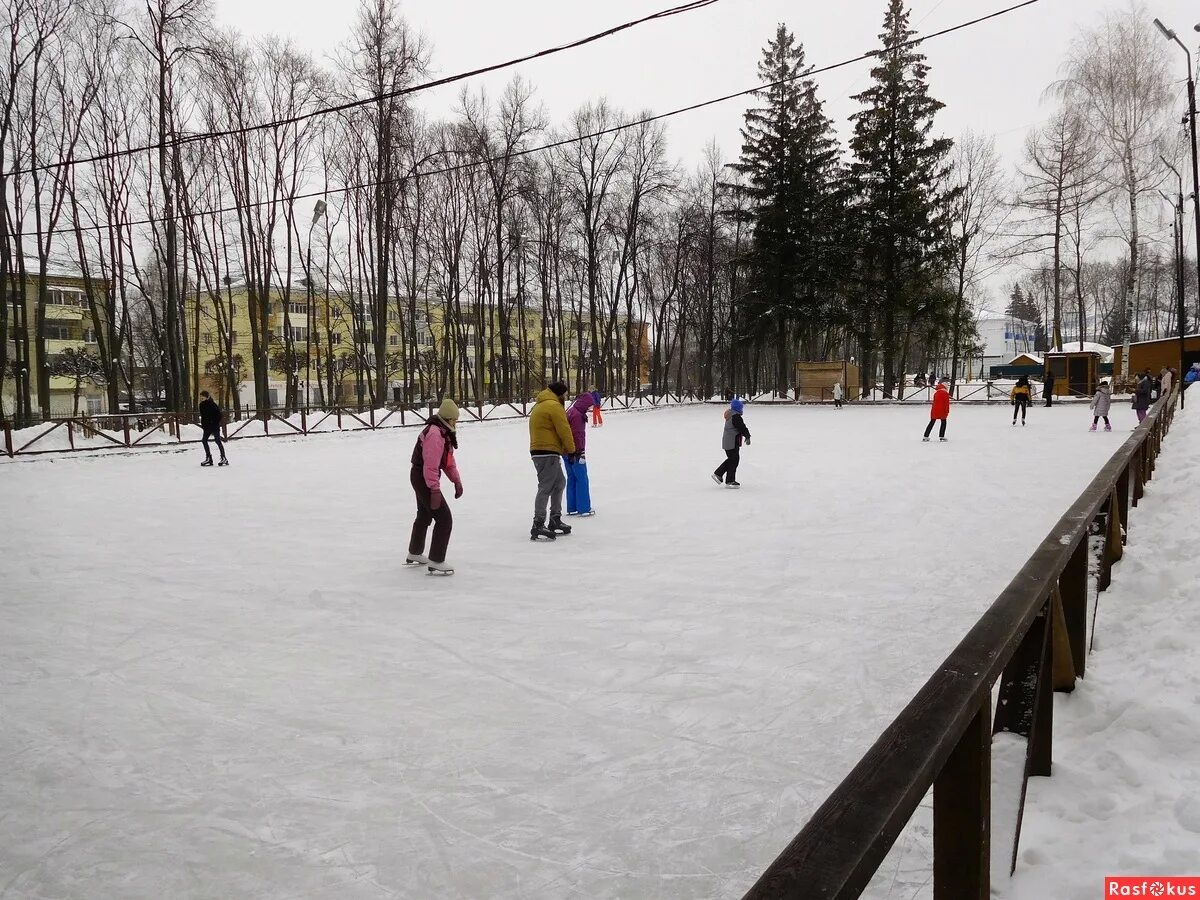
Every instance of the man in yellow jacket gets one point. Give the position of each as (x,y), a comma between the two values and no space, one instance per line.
(549,440)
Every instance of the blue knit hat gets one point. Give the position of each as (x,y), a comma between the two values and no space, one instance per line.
(737,406)
(596,397)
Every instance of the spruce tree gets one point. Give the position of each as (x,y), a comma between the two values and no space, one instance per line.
(791,180)
(902,199)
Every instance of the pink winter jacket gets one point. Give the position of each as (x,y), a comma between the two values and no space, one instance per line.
(437,456)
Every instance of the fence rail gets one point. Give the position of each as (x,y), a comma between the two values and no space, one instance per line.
(1034,639)
(159,429)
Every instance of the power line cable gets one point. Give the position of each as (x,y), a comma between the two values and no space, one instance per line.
(322,194)
(389,95)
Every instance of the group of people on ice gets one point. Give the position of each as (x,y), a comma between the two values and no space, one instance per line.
(557,442)
(1147,389)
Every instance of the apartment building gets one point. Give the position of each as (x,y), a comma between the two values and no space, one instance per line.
(69,325)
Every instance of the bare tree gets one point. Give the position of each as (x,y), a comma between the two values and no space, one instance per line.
(1117,73)
(974,222)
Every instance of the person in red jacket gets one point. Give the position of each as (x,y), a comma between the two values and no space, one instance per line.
(939,411)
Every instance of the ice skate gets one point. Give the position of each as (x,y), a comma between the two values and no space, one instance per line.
(556,526)
(539,531)
(223,462)
(716,478)
(416,559)
(440,568)
(1093,428)
(586,515)
(943,440)
(1022,423)
(925,440)
(1108,427)
(733,485)
(207,462)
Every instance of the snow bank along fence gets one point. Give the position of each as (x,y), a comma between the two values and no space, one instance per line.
(1035,639)
(130,430)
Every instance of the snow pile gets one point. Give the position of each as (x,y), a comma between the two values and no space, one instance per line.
(222,682)
(1125,795)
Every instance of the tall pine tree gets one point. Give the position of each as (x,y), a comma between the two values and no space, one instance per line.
(902,199)
(792,182)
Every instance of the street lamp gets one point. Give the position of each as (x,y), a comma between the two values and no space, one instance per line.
(1191,118)
(317,214)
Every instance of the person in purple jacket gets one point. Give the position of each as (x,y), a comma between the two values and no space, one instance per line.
(579,492)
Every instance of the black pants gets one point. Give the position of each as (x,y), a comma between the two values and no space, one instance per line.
(728,469)
(443,522)
(1021,404)
(215,434)
(929,427)
(1096,420)
(1049,395)
(837,404)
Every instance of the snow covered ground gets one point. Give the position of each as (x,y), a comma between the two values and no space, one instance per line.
(1125,795)
(221,682)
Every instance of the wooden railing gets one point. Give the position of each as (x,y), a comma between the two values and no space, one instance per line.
(157,429)
(1035,640)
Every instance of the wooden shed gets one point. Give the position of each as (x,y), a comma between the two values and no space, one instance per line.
(815,380)
(1154,355)
(1076,373)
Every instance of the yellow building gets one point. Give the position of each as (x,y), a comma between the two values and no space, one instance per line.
(332,351)
(69,325)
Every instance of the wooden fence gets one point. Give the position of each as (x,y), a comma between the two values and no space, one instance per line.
(1035,639)
(158,429)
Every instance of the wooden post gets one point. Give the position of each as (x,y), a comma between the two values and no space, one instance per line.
(962,815)
(71,433)
(1114,528)
(125,427)
(303,421)
(1041,740)
(1064,661)
(1073,587)
(1123,498)
(8,441)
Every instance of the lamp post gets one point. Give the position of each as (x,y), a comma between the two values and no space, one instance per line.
(317,215)
(1191,118)
(1180,307)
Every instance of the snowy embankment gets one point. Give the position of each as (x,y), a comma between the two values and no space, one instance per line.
(1124,798)
(222,682)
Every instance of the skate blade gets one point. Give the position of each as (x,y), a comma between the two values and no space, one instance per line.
(433,571)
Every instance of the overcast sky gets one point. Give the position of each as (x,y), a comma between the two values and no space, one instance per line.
(991,77)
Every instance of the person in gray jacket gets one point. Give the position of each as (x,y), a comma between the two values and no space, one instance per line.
(1101,403)
(731,442)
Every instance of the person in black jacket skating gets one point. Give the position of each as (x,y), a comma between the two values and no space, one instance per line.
(210,422)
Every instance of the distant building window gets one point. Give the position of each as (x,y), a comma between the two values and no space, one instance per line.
(233,337)
(232,309)
(89,336)
(298,309)
(393,340)
(58,330)
(335,337)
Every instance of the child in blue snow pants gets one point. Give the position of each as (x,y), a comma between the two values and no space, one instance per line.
(579,492)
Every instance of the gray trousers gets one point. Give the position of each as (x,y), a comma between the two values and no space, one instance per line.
(551,484)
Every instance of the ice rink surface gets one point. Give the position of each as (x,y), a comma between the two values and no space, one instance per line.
(222,683)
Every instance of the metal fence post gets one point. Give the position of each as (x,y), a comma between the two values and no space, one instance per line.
(8,441)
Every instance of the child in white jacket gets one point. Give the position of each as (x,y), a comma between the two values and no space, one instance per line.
(1100,406)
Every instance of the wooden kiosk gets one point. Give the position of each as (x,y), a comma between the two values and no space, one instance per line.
(815,380)
(1076,372)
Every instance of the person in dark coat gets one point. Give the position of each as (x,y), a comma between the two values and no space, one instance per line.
(1048,388)
(1141,396)
(210,424)
(734,432)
